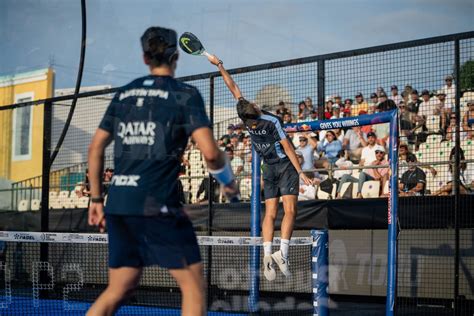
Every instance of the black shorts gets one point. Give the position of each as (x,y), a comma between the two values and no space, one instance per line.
(140,241)
(280,179)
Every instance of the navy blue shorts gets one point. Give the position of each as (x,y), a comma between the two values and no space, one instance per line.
(140,241)
(280,179)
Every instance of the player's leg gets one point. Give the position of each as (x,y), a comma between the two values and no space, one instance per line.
(191,284)
(122,282)
(268,228)
(289,188)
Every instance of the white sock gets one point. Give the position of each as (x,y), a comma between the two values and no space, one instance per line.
(284,247)
(267,248)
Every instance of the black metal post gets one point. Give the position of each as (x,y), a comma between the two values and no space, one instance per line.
(456,174)
(47,117)
(321,88)
(210,199)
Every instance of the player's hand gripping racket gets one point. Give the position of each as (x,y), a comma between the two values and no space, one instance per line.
(192,45)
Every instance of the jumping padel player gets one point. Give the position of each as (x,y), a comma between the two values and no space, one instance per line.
(280,173)
(150,121)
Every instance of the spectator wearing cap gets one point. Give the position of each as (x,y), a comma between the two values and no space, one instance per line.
(450,90)
(239,131)
(330,147)
(378,174)
(226,137)
(236,162)
(354,141)
(368,152)
(373,104)
(413,181)
(442,110)
(385,104)
(408,90)
(281,109)
(359,104)
(380,90)
(427,107)
(338,100)
(336,111)
(306,148)
(395,97)
(469,115)
(414,105)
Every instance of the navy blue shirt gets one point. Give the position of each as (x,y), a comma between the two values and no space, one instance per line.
(266,132)
(151,120)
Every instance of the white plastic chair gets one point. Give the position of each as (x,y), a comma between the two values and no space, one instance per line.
(83,202)
(370,189)
(35,205)
(24,205)
(432,122)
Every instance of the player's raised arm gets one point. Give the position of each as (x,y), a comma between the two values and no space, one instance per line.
(229,82)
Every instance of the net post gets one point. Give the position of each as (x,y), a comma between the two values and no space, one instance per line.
(392,217)
(319,272)
(255,232)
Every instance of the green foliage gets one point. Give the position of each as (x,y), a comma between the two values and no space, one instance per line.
(466,74)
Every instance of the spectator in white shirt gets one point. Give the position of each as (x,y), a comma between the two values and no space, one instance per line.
(354,140)
(307,191)
(426,107)
(395,97)
(450,90)
(343,164)
(336,111)
(368,152)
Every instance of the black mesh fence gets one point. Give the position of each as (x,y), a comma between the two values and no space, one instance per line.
(425,80)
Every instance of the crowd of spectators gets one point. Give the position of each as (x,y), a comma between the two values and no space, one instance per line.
(347,150)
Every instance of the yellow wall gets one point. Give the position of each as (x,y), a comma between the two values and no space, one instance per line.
(41,88)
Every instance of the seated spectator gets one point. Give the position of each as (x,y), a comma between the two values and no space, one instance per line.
(348,105)
(302,111)
(204,188)
(414,105)
(338,101)
(405,98)
(309,105)
(451,129)
(336,111)
(226,137)
(108,174)
(236,162)
(426,107)
(373,104)
(385,104)
(469,115)
(450,90)
(84,188)
(328,109)
(368,152)
(287,118)
(466,176)
(281,109)
(413,181)
(359,105)
(354,140)
(307,192)
(306,148)
(395,97)
(314,115)
(343,164)
(331,147)
(239,131)
(406,123)
(377,174)
(369,174)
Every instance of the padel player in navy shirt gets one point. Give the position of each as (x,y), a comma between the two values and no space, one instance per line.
(150,121)
(281,172)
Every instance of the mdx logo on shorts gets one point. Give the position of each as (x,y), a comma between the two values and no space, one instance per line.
(137,133)
(125,181)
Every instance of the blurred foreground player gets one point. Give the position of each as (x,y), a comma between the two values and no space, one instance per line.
(150,121)
(281,172)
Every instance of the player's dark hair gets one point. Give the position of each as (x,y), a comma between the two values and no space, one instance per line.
(246,111)
(160,45)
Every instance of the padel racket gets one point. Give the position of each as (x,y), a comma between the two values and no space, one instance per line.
(192,45)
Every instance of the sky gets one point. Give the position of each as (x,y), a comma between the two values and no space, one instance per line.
(38,33)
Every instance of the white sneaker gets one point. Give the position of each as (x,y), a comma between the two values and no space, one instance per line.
(282,263)
(268,269)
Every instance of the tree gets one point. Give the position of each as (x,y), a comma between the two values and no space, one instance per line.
(466,76)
